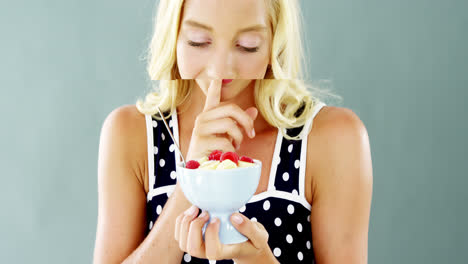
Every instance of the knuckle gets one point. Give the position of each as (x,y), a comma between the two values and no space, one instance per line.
(232,107)
(186,220)
(227,144)
(232,124)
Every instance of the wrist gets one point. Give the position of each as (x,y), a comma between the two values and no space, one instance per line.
(264,256)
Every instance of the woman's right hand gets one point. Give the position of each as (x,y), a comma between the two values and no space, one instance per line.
(219,126)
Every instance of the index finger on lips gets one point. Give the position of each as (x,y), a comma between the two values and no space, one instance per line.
(213,95)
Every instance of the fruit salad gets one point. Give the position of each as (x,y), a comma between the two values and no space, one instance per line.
(217,160)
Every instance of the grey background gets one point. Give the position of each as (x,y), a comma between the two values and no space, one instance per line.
(400,65)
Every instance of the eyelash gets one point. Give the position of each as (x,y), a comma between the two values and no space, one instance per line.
(201,45)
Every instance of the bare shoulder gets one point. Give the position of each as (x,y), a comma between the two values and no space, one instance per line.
(125,128)
(121,170)
(335,122)
(338,141)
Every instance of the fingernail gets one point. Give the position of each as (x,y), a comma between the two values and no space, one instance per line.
(214,220)
(252,132)
(190,211)
(237,219)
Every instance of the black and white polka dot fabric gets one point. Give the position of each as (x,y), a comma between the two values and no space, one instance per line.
(282,208)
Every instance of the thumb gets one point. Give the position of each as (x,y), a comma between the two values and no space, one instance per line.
(252,230)
(252,112)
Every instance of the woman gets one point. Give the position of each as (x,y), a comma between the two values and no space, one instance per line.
(314,196)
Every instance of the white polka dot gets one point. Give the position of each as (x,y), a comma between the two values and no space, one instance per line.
(151,225)
(266,205)
(290,209)
(158,209)
(290,148)
(162,162)
(277,221)
(277,252)
(289,238)
(171,148)
(173,175)
(212,261)
(278,160)
(155,124)
(297,163)
(308,244)
(242,209)
(253,219)
(285,176)
(155,150)
(299,227)
(163,136)
(294,192)
(187,257)
(170,123)
(308,218)
(300,256)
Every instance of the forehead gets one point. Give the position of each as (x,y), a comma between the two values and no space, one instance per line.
(226,14)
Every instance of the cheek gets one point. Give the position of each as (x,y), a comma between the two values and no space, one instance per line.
(188,62)
(252,68)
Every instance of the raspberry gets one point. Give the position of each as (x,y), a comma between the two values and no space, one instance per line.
(215,155)
(230,155)
(192,164)
(246,159)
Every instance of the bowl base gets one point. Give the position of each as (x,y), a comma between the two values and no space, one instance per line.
(228,234)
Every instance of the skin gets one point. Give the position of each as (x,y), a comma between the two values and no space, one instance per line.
(338,167)
(224,50)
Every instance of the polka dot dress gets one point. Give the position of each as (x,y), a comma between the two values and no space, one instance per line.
(282,209)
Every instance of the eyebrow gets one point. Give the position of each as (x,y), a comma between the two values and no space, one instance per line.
(247,29)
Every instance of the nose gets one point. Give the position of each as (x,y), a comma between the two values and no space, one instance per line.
(221,65)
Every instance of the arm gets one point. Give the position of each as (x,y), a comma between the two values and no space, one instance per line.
(342,189)
(122,166)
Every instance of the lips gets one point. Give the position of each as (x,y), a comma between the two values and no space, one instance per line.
(226,81)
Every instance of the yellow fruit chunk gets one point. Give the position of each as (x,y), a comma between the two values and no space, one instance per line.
(203,160)
(209,165)
(226,164)
(243,164)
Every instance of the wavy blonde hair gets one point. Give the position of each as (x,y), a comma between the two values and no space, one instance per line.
(283,99)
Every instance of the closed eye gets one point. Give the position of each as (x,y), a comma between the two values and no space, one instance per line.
(201,45)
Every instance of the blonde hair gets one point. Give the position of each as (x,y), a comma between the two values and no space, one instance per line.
(283,99)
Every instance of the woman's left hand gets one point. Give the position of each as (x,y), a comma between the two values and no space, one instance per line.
(188,232)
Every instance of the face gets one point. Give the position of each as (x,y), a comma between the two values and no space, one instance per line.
(224,39)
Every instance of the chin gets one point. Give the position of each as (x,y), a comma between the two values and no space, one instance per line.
(230,93)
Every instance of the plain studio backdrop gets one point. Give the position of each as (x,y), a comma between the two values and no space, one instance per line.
(400,65)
